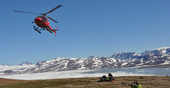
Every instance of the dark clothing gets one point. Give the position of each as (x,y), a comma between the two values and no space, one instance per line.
(110,77)
(103,78)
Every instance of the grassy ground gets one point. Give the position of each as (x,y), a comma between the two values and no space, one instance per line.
(120,82)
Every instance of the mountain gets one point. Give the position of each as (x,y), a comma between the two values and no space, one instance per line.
(155,54)
(163,50)
(5,65)
(25,63)
(152,58)
(125,55)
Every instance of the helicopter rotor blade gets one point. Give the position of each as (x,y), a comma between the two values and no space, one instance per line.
(51,19)
(54,9)
(27,12)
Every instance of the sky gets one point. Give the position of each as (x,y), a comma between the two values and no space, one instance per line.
(86,28)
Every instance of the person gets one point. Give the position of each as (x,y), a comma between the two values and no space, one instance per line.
(110,77)
(103,78)
(131,84)
(137,85)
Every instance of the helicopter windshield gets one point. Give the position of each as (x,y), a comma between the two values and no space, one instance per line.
(44,18)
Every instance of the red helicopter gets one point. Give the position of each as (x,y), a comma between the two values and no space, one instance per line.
(42,22)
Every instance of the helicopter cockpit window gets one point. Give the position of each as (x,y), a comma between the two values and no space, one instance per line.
(45,19)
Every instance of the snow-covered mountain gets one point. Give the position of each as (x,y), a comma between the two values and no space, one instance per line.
(5,65)
(155,57)
(125,55)
(25,63)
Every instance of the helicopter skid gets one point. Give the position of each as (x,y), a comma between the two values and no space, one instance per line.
(36,29)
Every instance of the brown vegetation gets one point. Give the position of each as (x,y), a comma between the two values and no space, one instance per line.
(120,82)
(7,80)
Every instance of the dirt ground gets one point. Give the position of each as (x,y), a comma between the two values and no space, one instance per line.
(120,82)
(7,80)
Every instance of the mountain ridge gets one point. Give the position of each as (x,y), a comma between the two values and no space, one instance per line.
(154,57)
(25,63)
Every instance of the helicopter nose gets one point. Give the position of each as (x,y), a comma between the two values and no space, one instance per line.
(37,20)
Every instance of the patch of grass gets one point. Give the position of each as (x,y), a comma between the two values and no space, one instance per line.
(124,83)
(120,82)
(80,83)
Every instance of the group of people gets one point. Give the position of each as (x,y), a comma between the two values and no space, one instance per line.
(105,79)
(135,84)
(110,78)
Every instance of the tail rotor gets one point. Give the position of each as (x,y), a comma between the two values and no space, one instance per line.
(56,30)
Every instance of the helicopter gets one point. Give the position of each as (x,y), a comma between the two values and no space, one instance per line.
(42,21)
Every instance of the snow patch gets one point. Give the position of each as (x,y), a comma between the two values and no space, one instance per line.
(67,74)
